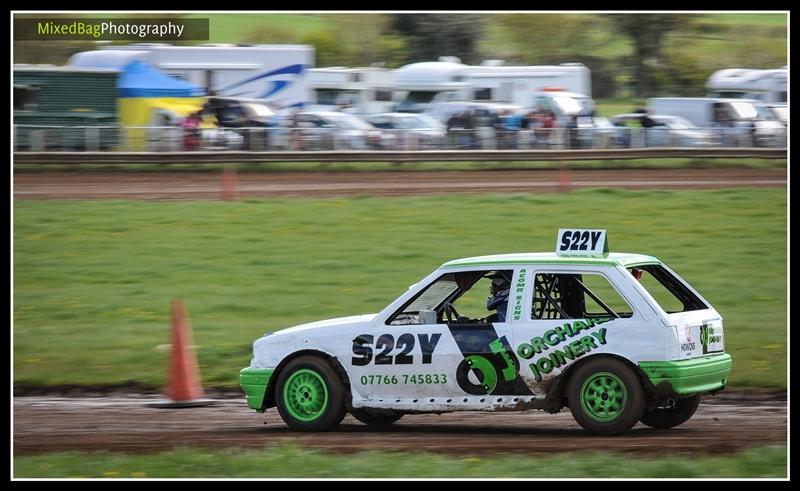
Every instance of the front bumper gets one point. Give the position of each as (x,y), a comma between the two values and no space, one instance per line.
(254,382)
(689,377)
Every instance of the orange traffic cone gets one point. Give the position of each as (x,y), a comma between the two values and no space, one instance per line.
(564,178)
(183,384)
(228,183)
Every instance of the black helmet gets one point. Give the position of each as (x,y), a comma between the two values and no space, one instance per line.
(499,289)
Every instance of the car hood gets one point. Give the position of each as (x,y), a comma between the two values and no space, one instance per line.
(338,321)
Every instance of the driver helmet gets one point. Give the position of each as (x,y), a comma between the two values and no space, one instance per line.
(498,291)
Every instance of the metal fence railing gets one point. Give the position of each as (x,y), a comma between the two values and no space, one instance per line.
(30,138)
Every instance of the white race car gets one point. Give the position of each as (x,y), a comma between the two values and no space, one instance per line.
(617,338)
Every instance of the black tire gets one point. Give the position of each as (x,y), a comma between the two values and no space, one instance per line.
(669,417)
(376,417)
(605,396)
(314,399)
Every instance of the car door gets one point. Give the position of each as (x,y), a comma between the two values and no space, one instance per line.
(570,312)
(407,355)
(418,351)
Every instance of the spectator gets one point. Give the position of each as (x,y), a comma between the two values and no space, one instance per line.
(647,122)
(191,132)
(572,132)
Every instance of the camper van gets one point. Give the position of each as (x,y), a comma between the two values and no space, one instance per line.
(492,81)
(767,86)
(273,73)
(365,90)
(744,121)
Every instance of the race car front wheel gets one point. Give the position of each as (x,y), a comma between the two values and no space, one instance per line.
(310,395)
(674,415)
(605,396)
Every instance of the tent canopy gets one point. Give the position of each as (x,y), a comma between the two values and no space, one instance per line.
(138,79)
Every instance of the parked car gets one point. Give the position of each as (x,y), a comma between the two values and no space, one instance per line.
(618,338)
(332,130)
(780,112)
(234,112)
(443,111)
(410,130)
(251,119)
(667,131)
(735,122)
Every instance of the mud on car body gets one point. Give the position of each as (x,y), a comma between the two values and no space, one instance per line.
(617,338)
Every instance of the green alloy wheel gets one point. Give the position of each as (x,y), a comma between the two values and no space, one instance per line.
(305,395)
(310,395)
(605,396)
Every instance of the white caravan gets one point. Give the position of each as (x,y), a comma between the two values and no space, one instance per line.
(450,80)
(767,86)
(273,73)
(366,90)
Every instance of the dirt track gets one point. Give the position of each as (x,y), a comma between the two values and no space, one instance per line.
(208,185)
(725,423)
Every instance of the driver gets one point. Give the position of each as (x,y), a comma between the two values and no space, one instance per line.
(498,295)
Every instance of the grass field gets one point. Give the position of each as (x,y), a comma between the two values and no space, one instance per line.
(93,279)
(285,461)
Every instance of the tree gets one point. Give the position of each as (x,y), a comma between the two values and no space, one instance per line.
(432,35)
(648,32)
(540,39)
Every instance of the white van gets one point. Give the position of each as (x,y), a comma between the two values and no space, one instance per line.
(743,121)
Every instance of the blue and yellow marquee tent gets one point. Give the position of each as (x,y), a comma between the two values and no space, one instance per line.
(144,92)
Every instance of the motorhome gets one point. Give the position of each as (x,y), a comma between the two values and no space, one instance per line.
(767,86)
(366,90)
(492,81)
(273,73)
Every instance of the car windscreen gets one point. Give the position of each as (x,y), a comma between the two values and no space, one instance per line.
(434,295)
(743,110)
(259,110)
(350,122)
(417,122)
(569,105)
(780,112)
(677,123)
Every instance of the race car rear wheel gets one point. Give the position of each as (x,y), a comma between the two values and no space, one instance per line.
(310,395)
(375,418)
(605,396)
(674,415)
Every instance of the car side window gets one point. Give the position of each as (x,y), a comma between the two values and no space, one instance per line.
(467,297)
(576,296)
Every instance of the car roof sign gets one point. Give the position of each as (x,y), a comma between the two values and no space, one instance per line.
(581,242)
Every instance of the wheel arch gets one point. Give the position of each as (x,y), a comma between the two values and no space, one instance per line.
(563,378)
(269,396)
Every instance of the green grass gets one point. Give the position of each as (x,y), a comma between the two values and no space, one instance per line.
(293,462)
(93,279)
